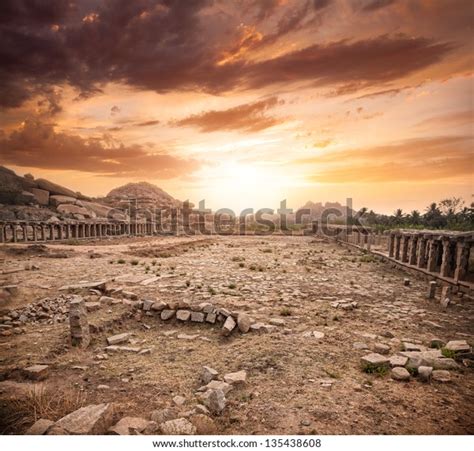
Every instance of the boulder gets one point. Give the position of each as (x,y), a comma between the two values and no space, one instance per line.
(424,373)
(183,315)
(214,400)
(94,419)
(400,374)
(69,209)
(37,372)
(373,361)
(458,346)
(237,378)
(118,339)
(208,374)
(162,415)
(54,188)
(204,424)
(12,186)
(229,326)
(57,200)
(243,322)
(129,426)
(40,427)
(180,426)
(41,196)
(167,314)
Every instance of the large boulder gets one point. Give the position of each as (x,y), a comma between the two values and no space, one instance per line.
(13,187)
(103,211)
(54,188)
(58,199)
(68,209)
(41,196)
(94,419)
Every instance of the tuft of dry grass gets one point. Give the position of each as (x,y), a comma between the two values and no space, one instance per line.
(41,402)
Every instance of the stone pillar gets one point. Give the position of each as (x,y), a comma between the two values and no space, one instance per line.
(462,260)
(60,231)
(412,250)
(35,233)
(51,232)
(391,245)
(432,255)
(421,251)
(25,232)
(397,246)
(432,290)
(447,255)
(80,334)
(404,248)
(2,233)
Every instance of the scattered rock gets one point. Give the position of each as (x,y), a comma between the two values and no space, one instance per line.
(208,374)
(118,339)
(243,322)
(197,317)
(183,315)
(398,360)
(458,346)
(129,426)
(180,426)
(214,400)
(94,419)
(424,373)
(40,427)
(204,425)
(162,415)
(229,326)
(36,372)
(179,400)
(382,348)
(400,374)
(167,314)
(237,378)
(374,361)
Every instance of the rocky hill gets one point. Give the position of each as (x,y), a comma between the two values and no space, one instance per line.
(145,193)
(27,198)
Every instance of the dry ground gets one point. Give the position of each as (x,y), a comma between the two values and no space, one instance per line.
(295,384)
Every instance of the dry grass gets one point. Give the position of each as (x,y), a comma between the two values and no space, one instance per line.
(40,402)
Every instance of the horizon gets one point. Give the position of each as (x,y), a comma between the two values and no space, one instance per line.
(243,104)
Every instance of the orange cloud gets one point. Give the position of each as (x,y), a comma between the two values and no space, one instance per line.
(38,145)
(249,117)
(414,160)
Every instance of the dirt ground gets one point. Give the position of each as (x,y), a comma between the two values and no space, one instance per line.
(296,384)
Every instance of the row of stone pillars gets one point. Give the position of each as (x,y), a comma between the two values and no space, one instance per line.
(443,254)
(39,231)
(359,236)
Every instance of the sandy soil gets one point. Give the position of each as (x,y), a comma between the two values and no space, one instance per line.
(295,385)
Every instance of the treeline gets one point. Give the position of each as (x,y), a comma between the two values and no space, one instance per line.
(449,214)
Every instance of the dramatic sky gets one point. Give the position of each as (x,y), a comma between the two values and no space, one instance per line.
(243,102)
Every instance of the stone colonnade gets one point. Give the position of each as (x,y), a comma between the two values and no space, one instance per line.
(36,231)
(443,254)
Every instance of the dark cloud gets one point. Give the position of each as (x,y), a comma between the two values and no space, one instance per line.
(321,4)
(411,161)
(148,123)
(38,145)
(250,117)
(374,5)
(350,64)
(167,45)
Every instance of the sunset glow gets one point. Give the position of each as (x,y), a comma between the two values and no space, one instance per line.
(243,103)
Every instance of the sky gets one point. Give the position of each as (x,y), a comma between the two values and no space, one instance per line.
(243,103)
